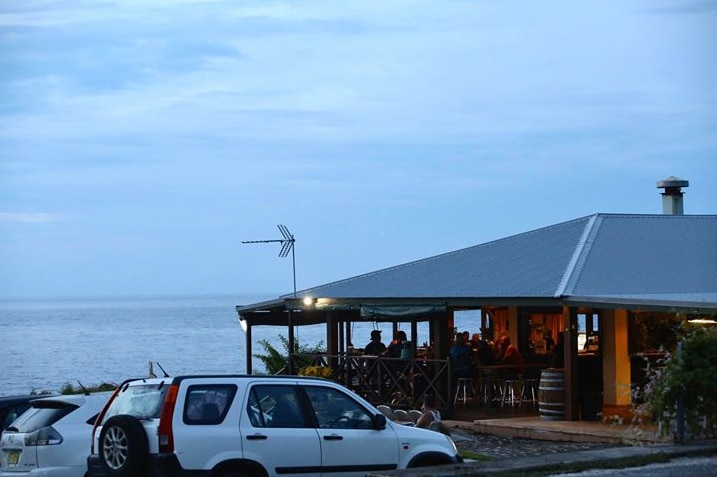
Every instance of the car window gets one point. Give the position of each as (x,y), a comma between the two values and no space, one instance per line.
(38,417)
(8,415)
(91,420)
(208,404)
(275,406)
(141,401)
(337,410)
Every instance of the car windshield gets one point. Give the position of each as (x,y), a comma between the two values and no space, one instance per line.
(142,401)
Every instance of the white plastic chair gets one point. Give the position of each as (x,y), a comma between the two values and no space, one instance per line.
(402,416)
(386,411)
(414,414)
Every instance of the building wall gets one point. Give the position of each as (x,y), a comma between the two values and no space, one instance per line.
(616,359)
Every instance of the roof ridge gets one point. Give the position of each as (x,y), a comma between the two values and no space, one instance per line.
(577,261)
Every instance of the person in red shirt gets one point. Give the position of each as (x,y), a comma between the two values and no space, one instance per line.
(509,354)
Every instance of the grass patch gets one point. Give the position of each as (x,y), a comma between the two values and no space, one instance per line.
(466,454)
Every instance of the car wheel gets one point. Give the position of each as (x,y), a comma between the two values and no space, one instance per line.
(429,460)
(124,449)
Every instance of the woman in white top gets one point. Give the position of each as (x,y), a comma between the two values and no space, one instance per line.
(430,413)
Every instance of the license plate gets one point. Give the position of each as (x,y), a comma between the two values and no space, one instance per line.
(13,457)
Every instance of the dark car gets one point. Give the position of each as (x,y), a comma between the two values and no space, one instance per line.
(12,406)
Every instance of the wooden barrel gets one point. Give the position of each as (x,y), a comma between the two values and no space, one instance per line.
(551,395)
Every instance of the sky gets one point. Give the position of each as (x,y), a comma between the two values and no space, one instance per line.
(141,141)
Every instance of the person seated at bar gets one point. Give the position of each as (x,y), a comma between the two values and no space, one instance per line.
(461,359)
(375,346)
(475,339)
(509,354)
(396,347)
(482,354)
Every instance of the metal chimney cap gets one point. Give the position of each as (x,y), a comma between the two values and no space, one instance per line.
(673,182)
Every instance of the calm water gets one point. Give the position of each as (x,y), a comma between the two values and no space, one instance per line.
(47,343)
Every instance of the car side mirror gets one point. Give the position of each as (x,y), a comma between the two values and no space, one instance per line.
(379,422)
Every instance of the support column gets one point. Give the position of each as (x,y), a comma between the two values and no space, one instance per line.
(332,334)
(570,328)
(616,359)
(292,344)
(247,340)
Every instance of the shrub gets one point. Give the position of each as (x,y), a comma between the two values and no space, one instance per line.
(68,388)
(692,377)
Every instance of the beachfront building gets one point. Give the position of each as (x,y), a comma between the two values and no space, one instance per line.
(611,283)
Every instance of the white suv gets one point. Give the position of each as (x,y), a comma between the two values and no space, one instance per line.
(253,426)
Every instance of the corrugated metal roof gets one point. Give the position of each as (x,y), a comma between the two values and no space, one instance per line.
(599,256)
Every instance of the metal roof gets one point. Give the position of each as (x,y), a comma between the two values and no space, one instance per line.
(662,260)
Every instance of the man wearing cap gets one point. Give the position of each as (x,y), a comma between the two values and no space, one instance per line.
(375,347)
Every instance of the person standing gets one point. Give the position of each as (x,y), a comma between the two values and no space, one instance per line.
(558,358)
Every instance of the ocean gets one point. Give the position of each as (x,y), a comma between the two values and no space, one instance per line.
(45,344)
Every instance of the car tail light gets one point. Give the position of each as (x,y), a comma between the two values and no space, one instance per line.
(47,436)
(101,416)
(166,438)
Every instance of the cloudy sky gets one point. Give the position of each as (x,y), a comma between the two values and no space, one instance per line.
(141,141)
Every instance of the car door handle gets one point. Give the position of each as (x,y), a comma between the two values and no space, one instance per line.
(256,437)
(333,437)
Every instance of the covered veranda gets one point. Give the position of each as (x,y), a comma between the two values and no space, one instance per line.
(403,382)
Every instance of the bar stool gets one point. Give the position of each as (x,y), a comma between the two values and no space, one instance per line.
(528,391)
(464,390)
(511,391)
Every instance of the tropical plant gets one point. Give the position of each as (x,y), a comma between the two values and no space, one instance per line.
(689,376)
(276,361)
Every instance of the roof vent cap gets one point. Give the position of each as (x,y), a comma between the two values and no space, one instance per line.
(672,196)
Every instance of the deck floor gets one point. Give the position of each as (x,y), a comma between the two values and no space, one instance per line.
(525,422)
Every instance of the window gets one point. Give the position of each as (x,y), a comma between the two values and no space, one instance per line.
(208,404)
(275,406)
(142,401)
(42,416)
(336,410)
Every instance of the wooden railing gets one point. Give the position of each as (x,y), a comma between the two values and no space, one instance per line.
(393,381)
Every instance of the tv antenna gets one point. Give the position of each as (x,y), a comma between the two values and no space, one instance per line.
(287,245)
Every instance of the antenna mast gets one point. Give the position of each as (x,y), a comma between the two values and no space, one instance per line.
(287,245)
